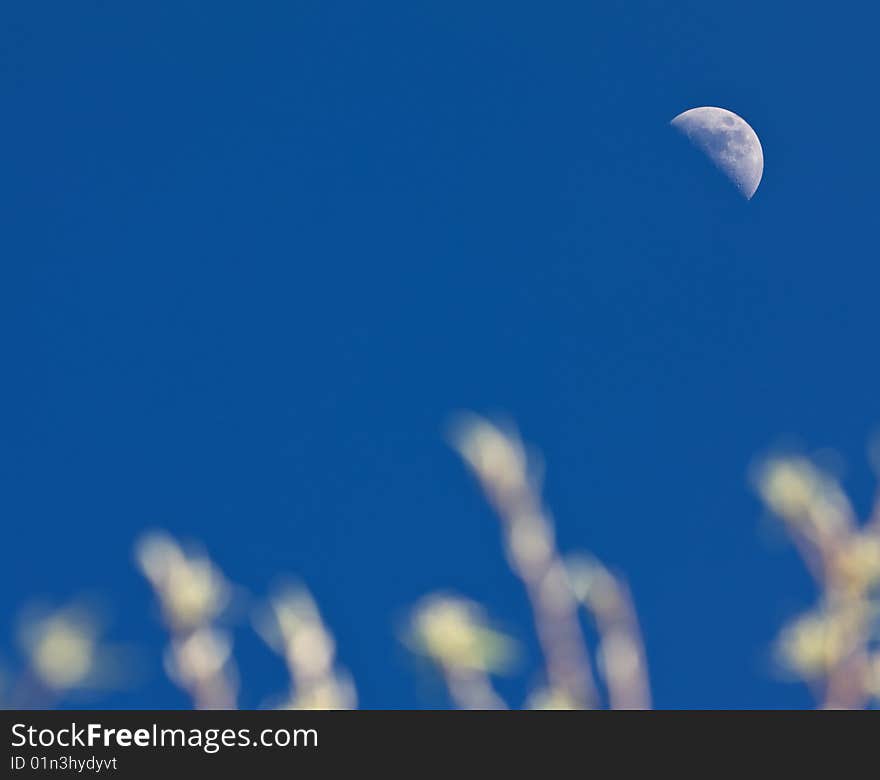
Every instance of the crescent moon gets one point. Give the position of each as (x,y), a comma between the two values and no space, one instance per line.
(727,140)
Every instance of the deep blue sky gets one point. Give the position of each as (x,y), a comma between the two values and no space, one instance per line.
(254,256)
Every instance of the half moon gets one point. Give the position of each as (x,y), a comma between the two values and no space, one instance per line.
(728,141)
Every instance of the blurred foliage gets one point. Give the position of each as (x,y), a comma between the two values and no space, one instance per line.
(292,626)
(834,646)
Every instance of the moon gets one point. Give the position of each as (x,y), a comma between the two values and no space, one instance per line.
(727,140)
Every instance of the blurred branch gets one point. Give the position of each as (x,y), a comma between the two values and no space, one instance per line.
(831,645)
(454,633)
(621,649)
(498,460)
(291,625)
(192,594)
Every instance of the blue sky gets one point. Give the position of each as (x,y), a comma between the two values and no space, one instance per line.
(253,259)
